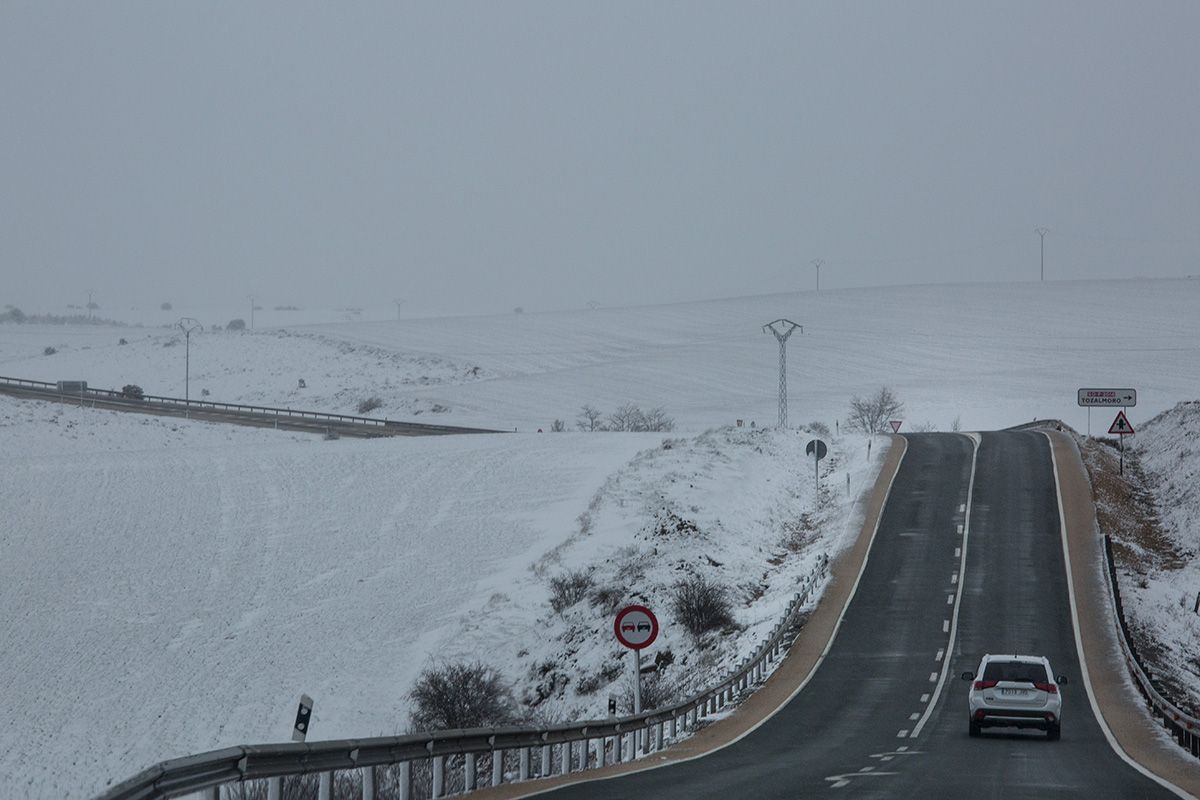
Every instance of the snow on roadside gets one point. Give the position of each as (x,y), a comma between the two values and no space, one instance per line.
(1167,449)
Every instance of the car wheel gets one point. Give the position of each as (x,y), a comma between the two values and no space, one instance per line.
(1054,732)
(973,728)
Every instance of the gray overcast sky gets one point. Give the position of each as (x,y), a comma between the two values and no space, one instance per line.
(479,156)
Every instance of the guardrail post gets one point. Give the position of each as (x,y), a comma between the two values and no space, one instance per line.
(469,772)
(406,780)
(211,793)
(567,747)
(631,750)
(325,786)
(497,767)
(658,736)
(601,752)
(439,776)
(524,773)
(674,727)
(275,788)
(368,779)
(547,765)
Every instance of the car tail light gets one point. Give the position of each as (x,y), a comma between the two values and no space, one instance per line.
(985,684)
(979,715)
(1046,687)
(1049,716)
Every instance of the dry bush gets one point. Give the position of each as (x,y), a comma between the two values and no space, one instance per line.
(460,695)
(702,605)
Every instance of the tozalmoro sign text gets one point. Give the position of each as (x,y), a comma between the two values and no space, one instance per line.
(1108,397)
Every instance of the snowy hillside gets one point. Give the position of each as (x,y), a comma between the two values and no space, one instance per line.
(1164,601)
(177,584)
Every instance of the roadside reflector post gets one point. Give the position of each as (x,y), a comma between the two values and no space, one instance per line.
(303,719)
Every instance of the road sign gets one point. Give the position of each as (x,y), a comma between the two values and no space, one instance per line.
(896,423)
(636,627)
(816,447)
(303,717)
(1120,426)
(1125,398)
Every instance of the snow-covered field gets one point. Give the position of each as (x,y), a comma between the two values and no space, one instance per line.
(173,586)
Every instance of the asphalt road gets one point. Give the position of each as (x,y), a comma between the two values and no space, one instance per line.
(297,420)
(872,721)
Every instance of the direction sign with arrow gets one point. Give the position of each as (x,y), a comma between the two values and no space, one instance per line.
(1126,398)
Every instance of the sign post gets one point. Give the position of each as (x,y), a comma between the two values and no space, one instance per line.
(817,449)
(636,627)
(1121,428)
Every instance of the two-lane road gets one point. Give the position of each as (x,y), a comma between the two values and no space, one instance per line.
(969,548)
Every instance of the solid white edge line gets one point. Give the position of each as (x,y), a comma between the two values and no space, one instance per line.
(962,570)
(1087,681)
(820,660)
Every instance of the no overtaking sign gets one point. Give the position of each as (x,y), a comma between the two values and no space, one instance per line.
(636,627)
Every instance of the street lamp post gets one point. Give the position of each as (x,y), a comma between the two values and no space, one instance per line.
(818,263)
(187,325)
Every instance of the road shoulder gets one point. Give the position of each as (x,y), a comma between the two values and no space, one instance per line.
(1122,708)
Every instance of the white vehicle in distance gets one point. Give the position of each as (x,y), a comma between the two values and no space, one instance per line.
(1015,692)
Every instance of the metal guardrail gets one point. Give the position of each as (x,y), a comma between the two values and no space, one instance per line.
(449,762)
(257,412)
(1184,726)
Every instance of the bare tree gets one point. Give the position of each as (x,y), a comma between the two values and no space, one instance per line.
(558,426)
(871,414)
(589,419)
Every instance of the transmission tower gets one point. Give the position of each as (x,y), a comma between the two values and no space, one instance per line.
(1041,232)
(785,329)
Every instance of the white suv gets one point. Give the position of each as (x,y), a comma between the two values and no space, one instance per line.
(1016,692)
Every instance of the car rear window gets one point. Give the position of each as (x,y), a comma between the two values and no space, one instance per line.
(1021,671)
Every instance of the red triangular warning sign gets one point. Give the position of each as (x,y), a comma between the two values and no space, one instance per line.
(1120,426)
(896,423)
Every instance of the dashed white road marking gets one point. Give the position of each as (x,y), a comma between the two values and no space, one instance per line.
(933,677)
(915,715)
(941,653)
(945,626)
(957,552)
(924,699)
(949,599)
(902,734)
(960,529)
(962,507)
(954,578)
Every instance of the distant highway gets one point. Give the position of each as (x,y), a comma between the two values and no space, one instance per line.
(968,546)
(256,416)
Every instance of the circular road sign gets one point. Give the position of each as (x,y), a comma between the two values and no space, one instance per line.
(816,447)
(636,627)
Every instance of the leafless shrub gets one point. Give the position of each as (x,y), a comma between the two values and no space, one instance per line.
(630,417)
(568,589)
(558,426)
(871,414)
(656,693)
(589,419)
(607,598)
(460,695)
(701,605)
(370,404)
(819,428)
